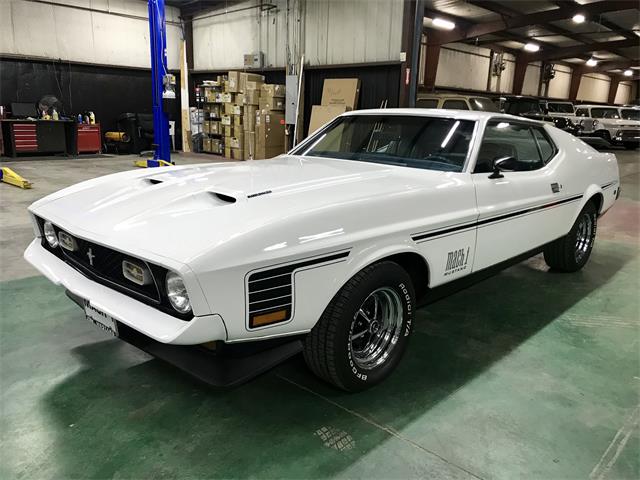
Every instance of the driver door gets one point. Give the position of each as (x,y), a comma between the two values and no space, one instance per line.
(512,213)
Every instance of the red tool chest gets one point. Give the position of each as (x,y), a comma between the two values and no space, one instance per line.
(89,138)
(25,137)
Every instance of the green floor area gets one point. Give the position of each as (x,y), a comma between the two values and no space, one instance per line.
(527,375)
(530,374)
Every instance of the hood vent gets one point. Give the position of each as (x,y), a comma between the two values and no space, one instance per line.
(153,181)
(223,197)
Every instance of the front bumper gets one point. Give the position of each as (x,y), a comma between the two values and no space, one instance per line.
(146,319)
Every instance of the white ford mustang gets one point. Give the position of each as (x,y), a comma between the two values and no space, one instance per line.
(226,269)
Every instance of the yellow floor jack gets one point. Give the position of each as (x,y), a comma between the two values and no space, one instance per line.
(150,162)
(12,178)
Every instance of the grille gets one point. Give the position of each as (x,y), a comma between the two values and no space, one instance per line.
(99,261)
(105,267)
(630,134)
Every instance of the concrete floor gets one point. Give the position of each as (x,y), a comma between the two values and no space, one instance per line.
(527,375)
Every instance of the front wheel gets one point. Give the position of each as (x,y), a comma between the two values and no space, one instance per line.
(363,333)
(571,252)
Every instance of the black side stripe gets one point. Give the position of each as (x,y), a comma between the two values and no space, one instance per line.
(607,185)
(498,218)
(287,269)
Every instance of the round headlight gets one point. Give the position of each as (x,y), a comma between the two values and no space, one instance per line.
(50,235)
(177,293)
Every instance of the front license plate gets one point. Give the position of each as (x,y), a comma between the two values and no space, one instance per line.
(100,319)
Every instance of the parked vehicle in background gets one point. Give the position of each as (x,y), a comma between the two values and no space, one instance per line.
(616,125)
(456,102)
(537,109)
(560,109)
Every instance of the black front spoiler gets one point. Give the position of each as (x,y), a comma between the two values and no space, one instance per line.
(227,365)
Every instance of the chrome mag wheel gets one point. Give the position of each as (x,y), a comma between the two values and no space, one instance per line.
(376,328)
(584,236)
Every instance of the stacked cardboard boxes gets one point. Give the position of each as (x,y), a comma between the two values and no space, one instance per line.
(252,117)
(339,95)
(269,123)
(212,111)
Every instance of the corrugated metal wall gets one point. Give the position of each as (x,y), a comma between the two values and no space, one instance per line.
(334,32)
(47,31)
(463,66)
(594,87)
(559,85)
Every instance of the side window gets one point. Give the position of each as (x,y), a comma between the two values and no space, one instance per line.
(547,150)
(506,139)
(582,112)
(455,104)
(427,103)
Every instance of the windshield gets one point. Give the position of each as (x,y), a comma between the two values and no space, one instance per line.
(522,107)
(604,113)
(560,107)
(483,104)
(410,141)
(630,113)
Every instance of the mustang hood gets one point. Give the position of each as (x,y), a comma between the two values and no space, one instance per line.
(179,212)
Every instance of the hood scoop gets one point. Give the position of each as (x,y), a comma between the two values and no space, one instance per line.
(153,181)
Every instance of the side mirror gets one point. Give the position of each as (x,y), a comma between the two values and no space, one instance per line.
(500,165)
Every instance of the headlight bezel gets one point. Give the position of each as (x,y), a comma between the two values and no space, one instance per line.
(176,293)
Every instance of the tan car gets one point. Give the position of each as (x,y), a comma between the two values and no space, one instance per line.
(456,102)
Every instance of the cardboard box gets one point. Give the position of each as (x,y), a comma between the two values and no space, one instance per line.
(236,142)
(245,77)
(270,129)
(206,145)
(321,114)
(227,151)
(249,114)
(253,85)
(232,109)
(206,127)
(237,120)
(341,91)
(227,97)
(272,90)
(228,130)
(251,97)
(233,83)
(271,103)
(239,98)
(209,95)
(215,128)
(215,145)
(237,153)
(226,120)
(264,152)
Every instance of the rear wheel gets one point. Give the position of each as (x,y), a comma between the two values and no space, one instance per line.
(363,333)
(571,252)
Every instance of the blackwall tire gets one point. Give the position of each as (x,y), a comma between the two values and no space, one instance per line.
(571,252)
(375,308)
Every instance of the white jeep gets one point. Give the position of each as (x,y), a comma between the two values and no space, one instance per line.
(616,125)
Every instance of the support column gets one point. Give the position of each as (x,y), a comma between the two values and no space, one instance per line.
(576,76)
(408,22)
(518,75)
(613,88)
(431,66)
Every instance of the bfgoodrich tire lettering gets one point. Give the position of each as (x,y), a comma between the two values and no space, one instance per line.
(378,300)
(571,252)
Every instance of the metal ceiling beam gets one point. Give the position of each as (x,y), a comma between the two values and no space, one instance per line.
(568,52)
(533,19)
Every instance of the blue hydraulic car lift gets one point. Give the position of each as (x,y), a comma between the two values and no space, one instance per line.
(162,86)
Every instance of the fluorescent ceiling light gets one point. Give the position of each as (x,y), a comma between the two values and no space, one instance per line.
(628,72)
(532,47)
(444,24)
(592,62)
(578,18)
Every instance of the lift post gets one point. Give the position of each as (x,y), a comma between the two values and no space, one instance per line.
(162,86)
